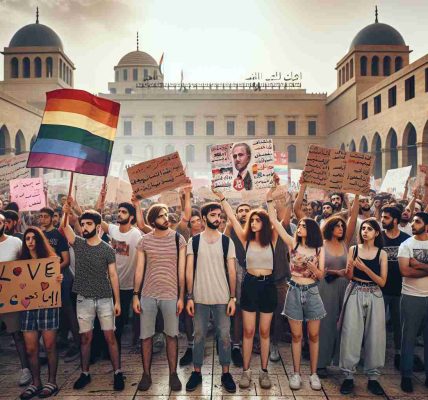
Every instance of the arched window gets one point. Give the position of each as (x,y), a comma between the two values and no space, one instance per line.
(364,148)
(398,63)
(60,69)
(391,146)
(14,68)
(49,67)
(352,146)
(375,66)
(38,67)
(128,149)
(410,152)
(4,140)
(377,152)
(169,149)
(63,72)
(292,153)
(387,66)
(342,147)
(351,68)
(363,66)
(190,153)
(19,143)
(26,67)
(347,72)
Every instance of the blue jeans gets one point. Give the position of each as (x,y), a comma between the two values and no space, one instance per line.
(414,313)
(222,325)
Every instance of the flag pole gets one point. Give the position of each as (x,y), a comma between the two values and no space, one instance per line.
(70,189)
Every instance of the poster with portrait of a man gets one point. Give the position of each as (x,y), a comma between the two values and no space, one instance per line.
(242,166)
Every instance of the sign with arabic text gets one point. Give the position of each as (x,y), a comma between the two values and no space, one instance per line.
(28,193)
(29,284)
(13,168)
(157,175)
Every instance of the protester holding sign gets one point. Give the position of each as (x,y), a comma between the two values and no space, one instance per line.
(45,320)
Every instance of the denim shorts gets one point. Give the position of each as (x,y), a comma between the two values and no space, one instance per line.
(303,303)
(149,310)
(43,319)
(258,294)
(86,310)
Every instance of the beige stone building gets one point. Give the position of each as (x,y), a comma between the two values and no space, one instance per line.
(380,104)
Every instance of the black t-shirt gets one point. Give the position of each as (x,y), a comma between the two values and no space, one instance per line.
(57,241)
(393,281)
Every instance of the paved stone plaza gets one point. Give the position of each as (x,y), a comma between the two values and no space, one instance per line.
(102,378)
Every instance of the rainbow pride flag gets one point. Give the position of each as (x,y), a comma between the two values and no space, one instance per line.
(77,133)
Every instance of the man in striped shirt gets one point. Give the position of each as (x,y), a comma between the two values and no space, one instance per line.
(162,252)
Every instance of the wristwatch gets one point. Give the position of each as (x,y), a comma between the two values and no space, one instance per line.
(136,293)
(233,298)
(189,296)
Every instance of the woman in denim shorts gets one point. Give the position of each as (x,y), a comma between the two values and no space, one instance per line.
(45,320)
(303,301)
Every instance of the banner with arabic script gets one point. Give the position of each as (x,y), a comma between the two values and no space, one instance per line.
(242,166)
(337,170)
(157,175)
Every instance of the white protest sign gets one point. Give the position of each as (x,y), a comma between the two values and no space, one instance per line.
(295,175)
(171,198)
(14,167)
(395,181)
(28,193)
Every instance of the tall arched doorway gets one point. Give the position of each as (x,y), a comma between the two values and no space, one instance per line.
(364,148)
(392,151)
(4,140)
(377,152)
(19,143)
(410,151)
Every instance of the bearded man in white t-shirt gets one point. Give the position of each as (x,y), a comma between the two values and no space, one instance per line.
(413,260)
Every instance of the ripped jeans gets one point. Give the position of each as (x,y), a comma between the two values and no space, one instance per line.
(222,326)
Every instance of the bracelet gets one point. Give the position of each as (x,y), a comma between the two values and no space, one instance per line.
(135,293)
(269,201)
(224,198)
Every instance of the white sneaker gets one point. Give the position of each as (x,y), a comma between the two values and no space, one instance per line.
(274,353)
(295,382)
(24,377)
(245,380)
(315,382)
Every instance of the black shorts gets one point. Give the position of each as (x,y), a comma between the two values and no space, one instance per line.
(258,294)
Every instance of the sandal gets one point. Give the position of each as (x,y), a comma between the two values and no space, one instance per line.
(30,392)
(48,390)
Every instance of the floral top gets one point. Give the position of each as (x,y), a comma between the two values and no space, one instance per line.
(299,264)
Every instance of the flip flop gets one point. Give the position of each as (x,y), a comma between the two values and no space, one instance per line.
(30,392)
(48,390)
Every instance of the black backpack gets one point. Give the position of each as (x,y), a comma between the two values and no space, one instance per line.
(195,247)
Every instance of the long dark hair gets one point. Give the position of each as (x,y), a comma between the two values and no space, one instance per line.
(43,248)
(378,242)
(313,234)
(265,233)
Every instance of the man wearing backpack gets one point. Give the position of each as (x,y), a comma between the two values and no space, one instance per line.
(211,281)
(162,253)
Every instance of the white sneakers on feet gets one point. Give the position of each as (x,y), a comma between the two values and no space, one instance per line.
(315,382)
(245,380)
(24,377)
(295,382)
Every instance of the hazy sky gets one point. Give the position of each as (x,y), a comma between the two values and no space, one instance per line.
(214,40)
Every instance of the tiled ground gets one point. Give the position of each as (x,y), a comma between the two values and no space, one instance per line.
(101,385)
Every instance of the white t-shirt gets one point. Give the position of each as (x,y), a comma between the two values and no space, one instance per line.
(417,249)
(210,283)
(125,247)
(406,229)
(10,249)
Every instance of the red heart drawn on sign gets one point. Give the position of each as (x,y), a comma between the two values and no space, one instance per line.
(22,285)
(25,302)
(44,285)
(17,271)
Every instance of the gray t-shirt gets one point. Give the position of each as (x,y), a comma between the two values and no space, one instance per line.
(210,284)
(91,269)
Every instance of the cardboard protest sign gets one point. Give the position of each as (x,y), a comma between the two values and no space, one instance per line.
(395,181)
(241,166)
(28,193)
(281,166)
(314,194)
(29,284)
(258,196)
(157,175)
(337,170)
(295,175)
(13,168)
(171,198)
(118,190)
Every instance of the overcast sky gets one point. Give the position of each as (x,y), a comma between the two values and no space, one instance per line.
(215,40)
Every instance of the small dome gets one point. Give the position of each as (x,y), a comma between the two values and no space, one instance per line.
(36,35)
(378,34)
(137,58)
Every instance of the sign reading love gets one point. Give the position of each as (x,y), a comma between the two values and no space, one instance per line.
(30,284)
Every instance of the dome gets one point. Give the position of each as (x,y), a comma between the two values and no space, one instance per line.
(137,58)
(36,35)
(378,34)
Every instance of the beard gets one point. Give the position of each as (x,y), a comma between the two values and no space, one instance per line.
(388,227)
(326,215)
(123,221)
(88,235)
(364,209)
(337,207)
(211,225)
(418,232)
(161,227)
